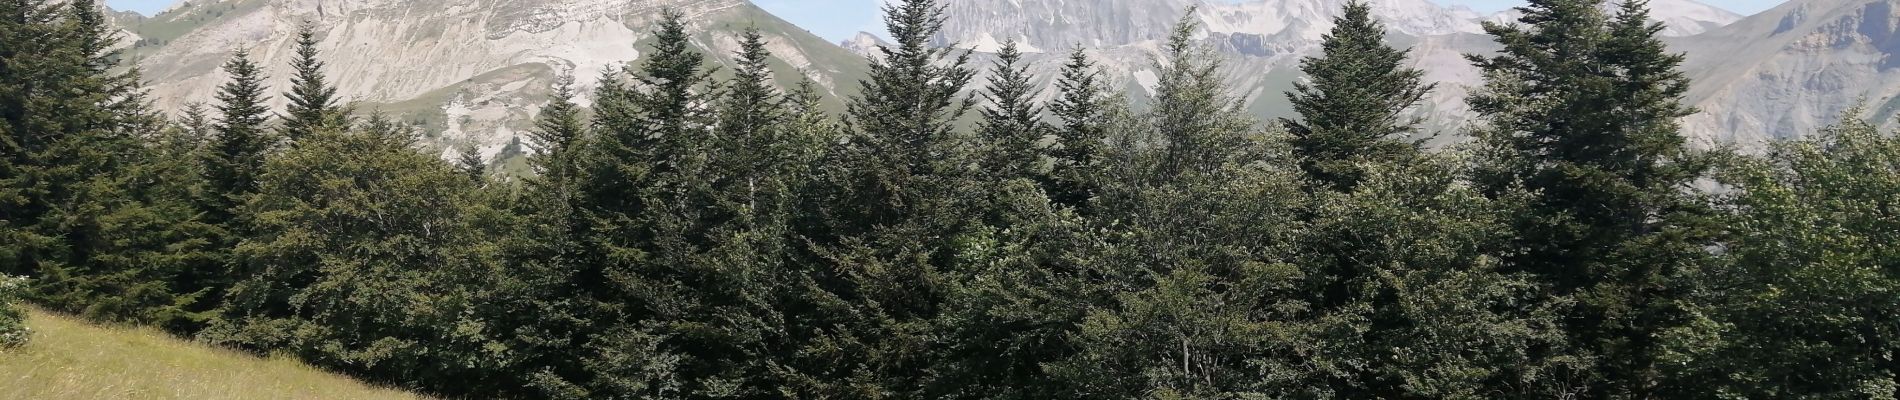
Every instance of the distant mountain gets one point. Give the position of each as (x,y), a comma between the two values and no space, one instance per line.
(1796,68)
(474,72)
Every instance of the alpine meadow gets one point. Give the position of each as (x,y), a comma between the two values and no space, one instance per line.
(736,211)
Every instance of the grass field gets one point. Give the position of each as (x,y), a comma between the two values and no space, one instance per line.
(70,359)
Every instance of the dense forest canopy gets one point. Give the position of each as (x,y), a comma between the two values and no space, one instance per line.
(702,235)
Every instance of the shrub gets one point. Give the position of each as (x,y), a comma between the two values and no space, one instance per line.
(13,331)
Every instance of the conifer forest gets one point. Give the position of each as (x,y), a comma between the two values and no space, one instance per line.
(696,232)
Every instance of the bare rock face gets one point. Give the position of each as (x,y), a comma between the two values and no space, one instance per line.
(1795,69)
(474,72)
(863,44)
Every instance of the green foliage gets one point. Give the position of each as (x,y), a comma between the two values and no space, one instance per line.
(1079,141)
(361,256)
(1809,308)
(1352,108)
(1580,111)
(1012,127)
(720,236)
(238,149)
(13,330)
(313,100)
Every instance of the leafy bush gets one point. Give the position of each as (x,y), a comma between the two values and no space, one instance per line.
(13,331)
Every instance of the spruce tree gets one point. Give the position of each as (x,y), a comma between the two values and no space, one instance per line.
(1012,126)
(1352,106)
(1581,113)
(1081,110)
(312,99)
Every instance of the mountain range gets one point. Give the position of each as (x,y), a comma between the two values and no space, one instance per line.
(473,73)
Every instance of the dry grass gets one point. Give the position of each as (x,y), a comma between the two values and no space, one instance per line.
(70,359)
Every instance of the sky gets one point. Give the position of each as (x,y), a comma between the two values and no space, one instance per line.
(840,19)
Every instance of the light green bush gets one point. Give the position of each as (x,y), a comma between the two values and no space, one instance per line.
(13,330)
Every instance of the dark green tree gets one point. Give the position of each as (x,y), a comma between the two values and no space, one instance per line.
(364,256)
(1808,308)
(1580,110)
(1184,311)
(313,100)
(897,199)
(470,161)
(534,310)
(1352,106)
(242,141)
(645,200)
(1081,111)
(1012,127)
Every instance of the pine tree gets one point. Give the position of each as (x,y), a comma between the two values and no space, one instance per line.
(312,99)
(1082,134)
(1352,107)
(1012,124)
(1581,112)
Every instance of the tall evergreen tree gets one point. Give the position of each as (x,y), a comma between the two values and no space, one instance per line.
(470,161)
(1581,112)
(1352,106)
(1190,314)
(1082,134)
(1012,126)
(896,200)
(313,101)
(645,199)
(242,142)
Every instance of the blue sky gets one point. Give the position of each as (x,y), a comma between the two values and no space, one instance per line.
(839,19)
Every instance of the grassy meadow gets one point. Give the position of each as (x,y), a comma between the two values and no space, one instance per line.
(71,359)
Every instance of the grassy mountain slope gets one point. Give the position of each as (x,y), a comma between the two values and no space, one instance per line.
(70,359)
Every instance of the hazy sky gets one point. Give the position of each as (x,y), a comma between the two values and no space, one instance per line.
(839,19)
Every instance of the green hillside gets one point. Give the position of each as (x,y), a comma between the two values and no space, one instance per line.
(70,359)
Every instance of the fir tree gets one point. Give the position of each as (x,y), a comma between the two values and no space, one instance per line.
(312,99)
(242,142)
(1012,123)
(645,200)
(749,116)
(1580,112)
(469,159)
(557,133)
(1192,314)
(1353,103)
(897,199)
(1082,134)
